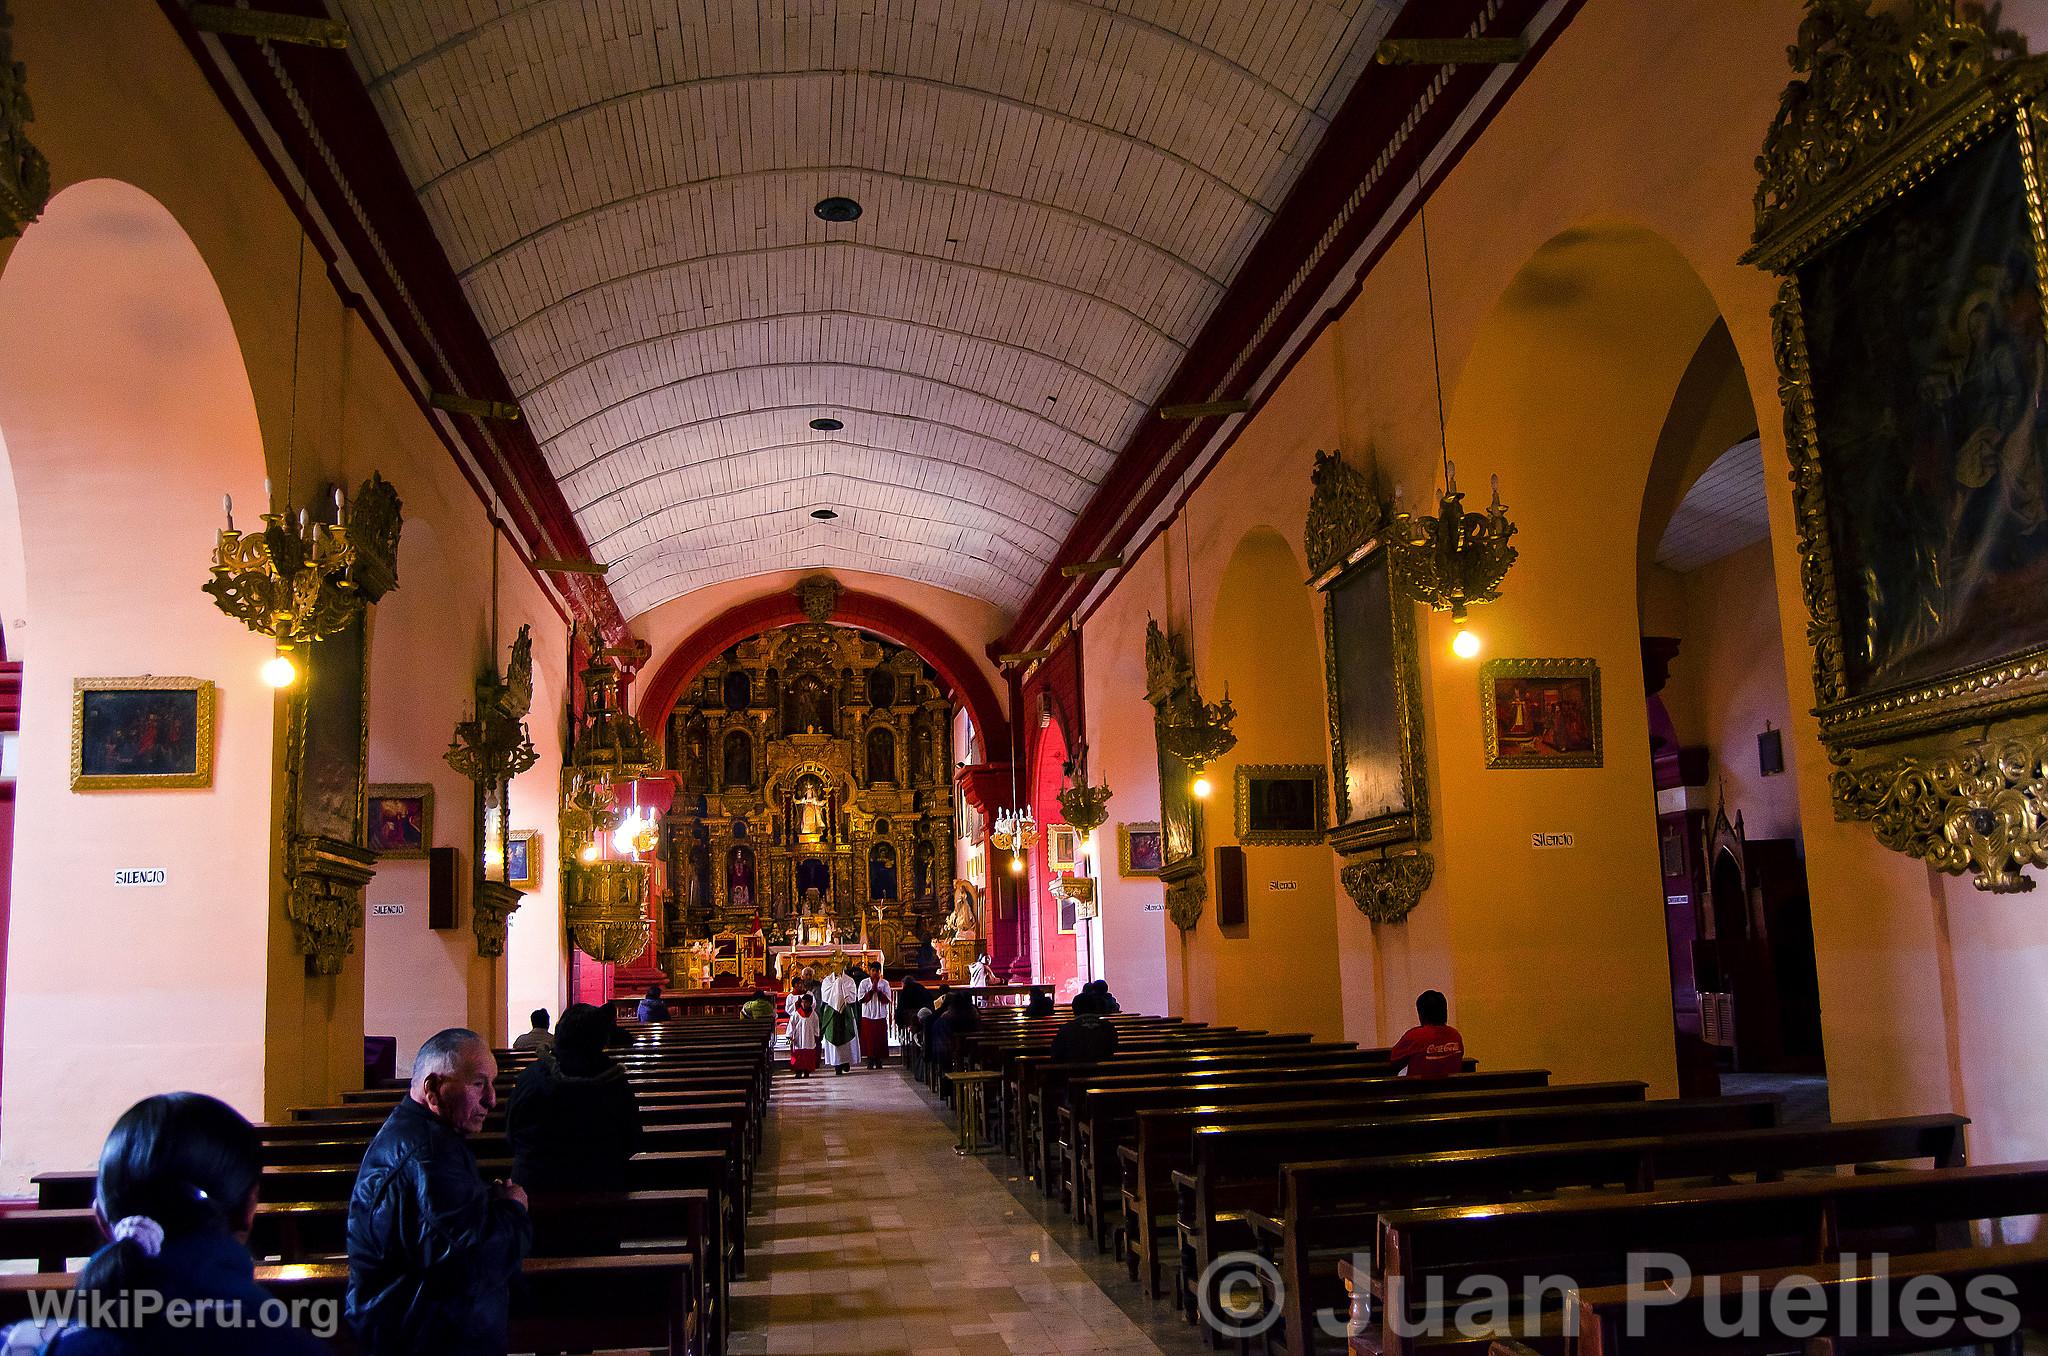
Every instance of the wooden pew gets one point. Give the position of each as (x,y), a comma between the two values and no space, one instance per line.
(1234,1167)
(1331,1211)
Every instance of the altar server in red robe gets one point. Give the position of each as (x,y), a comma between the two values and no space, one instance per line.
(875,997)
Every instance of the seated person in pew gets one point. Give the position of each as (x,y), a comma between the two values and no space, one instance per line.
(176,1198)
(432,1247)
(652,1008)
(1039,1004)
(758,1007)
(952,1016)
(1103,1001)
(1084,1038)
(537,1039)
(572,1125)
(1434,1049)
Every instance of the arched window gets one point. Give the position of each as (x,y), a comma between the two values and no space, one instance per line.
(881,754)
(739,759)
(881,688)
(739,690)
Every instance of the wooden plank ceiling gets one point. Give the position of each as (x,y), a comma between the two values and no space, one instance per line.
(1054,194)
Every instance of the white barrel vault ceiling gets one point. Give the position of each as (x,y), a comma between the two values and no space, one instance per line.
(1054,196)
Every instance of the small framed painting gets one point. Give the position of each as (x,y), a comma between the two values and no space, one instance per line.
(1281,803)
(522,859)
(1062,846)
(1140,849)
(1541,712)
(141,733)
(401,821)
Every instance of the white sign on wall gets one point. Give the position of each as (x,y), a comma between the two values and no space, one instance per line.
(1160,907)
(387,911)
(129,876)
(1552,840)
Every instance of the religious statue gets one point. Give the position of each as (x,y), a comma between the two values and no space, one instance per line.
(810,807)
(741,886)
(964,923)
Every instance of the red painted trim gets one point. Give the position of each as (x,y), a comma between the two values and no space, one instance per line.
(1383,98)
(868,611)
(371,173)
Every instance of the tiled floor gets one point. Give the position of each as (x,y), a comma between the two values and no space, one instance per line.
(870,1237)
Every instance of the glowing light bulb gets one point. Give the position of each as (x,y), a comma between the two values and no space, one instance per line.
(1088,843)
(1016,866)
(1464,644)
(589,853)
(279,671)
(1202,788)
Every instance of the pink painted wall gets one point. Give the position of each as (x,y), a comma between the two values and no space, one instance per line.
(126,413)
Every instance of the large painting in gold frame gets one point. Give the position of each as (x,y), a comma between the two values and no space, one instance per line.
(132,734)
(1901,208)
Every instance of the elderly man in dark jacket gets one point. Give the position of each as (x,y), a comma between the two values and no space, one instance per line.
(432,1247)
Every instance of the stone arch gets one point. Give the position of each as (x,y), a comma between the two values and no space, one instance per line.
(127,411)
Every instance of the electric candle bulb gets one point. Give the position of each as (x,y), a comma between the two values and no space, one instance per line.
(1464,644)
(279,671)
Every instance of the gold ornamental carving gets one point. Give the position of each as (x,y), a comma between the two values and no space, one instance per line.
(604,905)
(1185,896)
(324,899)
(492,905)
(24,172)
(1344,512)
(1934,722)
(1387,889)
(818,596)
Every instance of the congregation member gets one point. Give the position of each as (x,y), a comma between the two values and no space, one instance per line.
(176,1198)
(652,1008)
(875,996)
(981,974)
(573,1125)
(759,1007)
(1040,1004)
(537,1038)
(1084,1038)
(837,1030)
(1432,1049)
(803,1032)
(953,1016)
(432,1246)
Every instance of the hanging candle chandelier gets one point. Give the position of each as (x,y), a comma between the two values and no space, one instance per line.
(1451,559)
(1081,805)
(492,746)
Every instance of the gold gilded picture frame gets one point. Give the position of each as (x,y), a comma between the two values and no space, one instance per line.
(1900,207)
(142,734)
(1297,814)
(1144,862)
(1541,713)
(528,841)
(399,825)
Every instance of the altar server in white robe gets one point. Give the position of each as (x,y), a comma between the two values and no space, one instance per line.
(838,1000)
(876,997)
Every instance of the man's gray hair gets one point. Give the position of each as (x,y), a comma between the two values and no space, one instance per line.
(443,1053)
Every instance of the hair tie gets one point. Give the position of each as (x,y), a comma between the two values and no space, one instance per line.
(145,1232)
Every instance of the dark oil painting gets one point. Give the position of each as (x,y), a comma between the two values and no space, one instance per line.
(1924,337)
(1372,776)
(139,732)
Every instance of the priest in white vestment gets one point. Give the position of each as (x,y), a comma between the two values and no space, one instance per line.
(838,999)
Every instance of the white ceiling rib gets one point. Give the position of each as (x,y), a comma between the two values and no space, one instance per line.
(1055,195)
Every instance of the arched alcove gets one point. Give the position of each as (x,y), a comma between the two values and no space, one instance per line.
(1263,644)
(127,411)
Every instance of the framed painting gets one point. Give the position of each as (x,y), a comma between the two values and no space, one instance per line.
(401,821)
(1375,706)
(522,859)
(1280,803)
(1140,849)
(1062,846)
(1901,210)
(1540,712)
(131,734)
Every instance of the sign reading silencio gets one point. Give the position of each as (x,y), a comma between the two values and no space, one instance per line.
(129,876)
(387,911)
(1281,885)
(1552,840)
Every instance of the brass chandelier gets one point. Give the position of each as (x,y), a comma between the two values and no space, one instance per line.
(1454,558)
(492,746)
(1081,805)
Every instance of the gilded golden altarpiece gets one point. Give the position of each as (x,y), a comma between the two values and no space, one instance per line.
(813,793)
(1901,208)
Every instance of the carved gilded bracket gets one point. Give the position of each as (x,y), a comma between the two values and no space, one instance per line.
(1185,896)
(491,908)
(1977,809)
(1387,889)
(324,899)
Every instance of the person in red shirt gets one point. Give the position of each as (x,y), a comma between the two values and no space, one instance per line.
(1434,1049)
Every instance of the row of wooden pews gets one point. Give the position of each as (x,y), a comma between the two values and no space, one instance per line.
(1304,1199)
(703,1086)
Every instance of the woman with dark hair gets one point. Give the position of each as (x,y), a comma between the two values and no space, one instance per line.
(176,1200)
